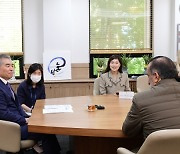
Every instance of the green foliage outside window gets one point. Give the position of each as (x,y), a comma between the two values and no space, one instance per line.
(136,66)
(99,65)
(16,67)
(120,24)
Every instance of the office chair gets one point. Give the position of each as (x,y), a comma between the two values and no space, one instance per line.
(159,142)
(96,86)
(142,83)
(10,137)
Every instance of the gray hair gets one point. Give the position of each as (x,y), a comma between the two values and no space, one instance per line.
(4,56)
(164,66)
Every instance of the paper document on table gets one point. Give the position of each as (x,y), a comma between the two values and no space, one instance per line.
(57,108)
(126,94)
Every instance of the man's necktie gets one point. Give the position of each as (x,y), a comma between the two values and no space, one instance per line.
(9,86)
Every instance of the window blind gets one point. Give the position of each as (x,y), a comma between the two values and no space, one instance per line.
(10,26)
(120,25)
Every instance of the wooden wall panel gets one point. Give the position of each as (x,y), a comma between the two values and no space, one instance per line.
(79,70)
(80,84)
(55,89)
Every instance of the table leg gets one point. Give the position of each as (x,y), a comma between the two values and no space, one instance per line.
(103,145)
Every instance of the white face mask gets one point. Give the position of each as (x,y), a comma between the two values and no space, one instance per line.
(35,78)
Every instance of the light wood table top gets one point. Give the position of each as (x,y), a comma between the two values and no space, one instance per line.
(100,123)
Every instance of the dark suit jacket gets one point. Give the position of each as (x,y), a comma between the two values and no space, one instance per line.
(10,109)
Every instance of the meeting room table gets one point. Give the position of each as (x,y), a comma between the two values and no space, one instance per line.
(93,132)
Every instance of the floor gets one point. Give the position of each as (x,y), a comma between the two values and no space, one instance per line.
(64,141)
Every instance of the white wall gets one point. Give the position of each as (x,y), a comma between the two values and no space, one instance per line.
(162,27)
(66,28)
(80,31)
(55,25)
(166,18)
(33,31)
(176,21)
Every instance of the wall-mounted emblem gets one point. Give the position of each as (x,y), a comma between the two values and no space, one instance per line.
(57,65)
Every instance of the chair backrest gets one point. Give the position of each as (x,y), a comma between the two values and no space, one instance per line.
(142,83)
(162,142)
(159,142)
(10,137)
(178,66)
(96,86)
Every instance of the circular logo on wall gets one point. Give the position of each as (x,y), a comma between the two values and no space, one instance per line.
(55,66)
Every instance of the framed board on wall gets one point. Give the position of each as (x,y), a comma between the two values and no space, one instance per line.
(178,37)
(178,43)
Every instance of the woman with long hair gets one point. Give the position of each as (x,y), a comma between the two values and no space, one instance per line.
(114,80)
(32,88)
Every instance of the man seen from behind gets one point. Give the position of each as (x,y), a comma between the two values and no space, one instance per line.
(159,107)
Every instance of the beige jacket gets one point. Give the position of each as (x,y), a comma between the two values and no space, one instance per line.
(155,109)
(107,85)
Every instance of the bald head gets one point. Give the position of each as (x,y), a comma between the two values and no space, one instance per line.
(164,66)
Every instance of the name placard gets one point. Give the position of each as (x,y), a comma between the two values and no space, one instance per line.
(126,94)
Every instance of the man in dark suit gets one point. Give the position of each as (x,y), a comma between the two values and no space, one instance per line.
(10,109)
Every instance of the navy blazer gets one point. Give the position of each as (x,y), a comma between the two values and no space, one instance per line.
(10,109)
(28,95)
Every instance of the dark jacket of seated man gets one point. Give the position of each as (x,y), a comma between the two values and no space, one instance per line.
(10,109)
(157,108)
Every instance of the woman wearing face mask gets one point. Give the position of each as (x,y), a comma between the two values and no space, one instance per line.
(32,88)
(113,80)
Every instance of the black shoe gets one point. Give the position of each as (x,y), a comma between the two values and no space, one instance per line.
(69,152)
